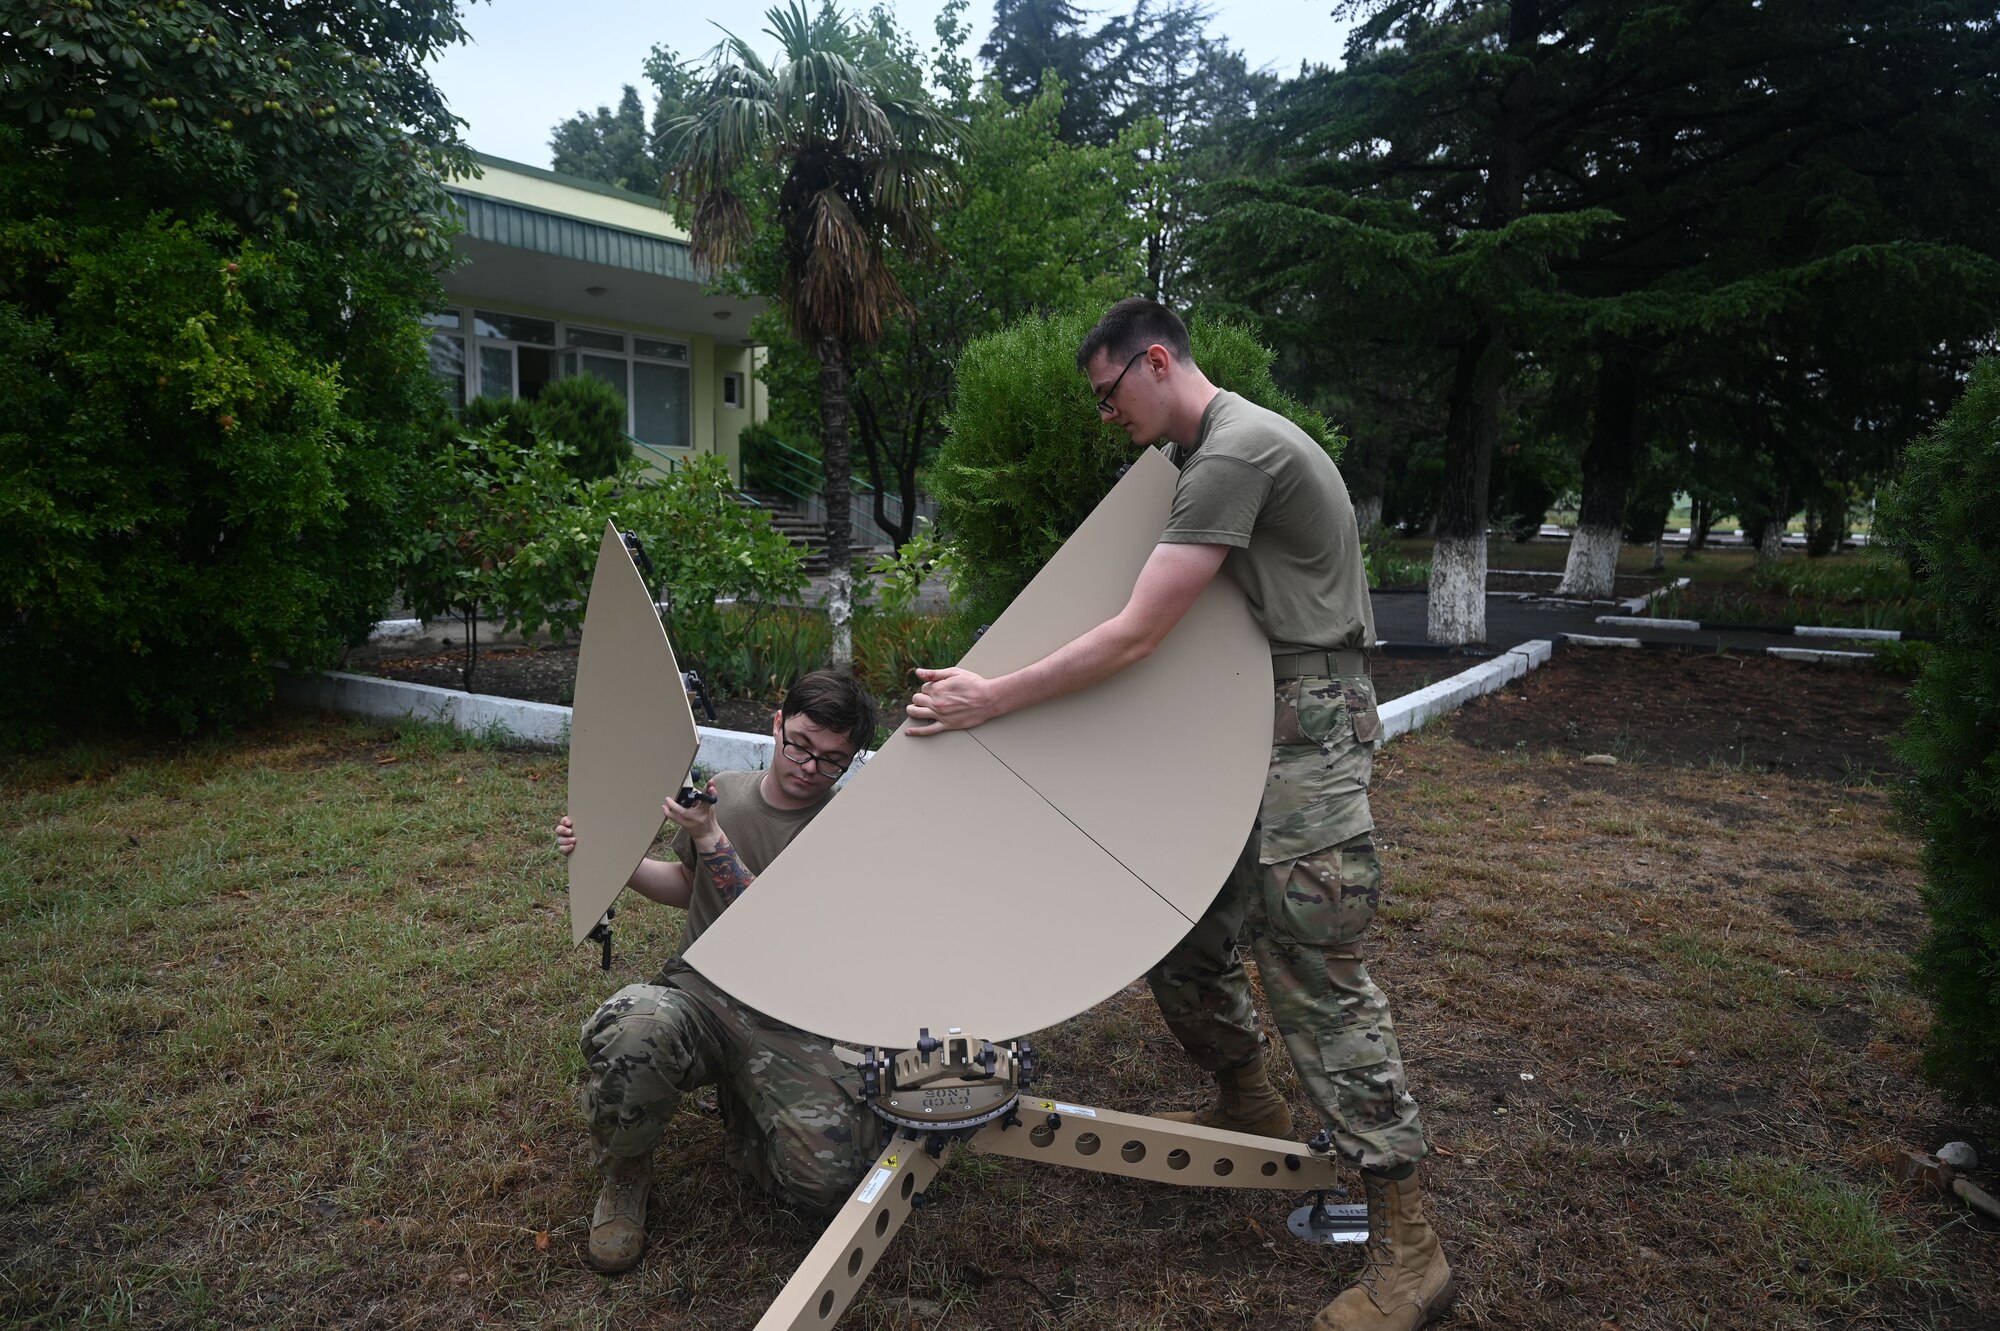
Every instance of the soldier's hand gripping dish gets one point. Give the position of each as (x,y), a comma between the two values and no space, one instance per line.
(793,1113)
(1260,500)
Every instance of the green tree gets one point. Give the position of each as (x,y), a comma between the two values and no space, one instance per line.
(1028,456)
(844,157)
(610,146)
(219,226)
(1391,213)
(1031,39)
(1039,226)
(1943,517)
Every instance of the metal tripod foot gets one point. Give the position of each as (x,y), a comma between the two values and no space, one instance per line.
(1320,1223)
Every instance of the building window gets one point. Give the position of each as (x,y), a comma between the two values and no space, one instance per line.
(515,355)
(732,390)
(662,394)
(447,354)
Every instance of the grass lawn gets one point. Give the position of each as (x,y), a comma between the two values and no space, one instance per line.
(290,1042)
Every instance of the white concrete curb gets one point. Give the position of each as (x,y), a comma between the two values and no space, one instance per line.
(1412,710)
(1853,635)
(1800,631)
(1641,622)
(1820,655)
(739,751)
(1592,640)
(393,700)
(509,718)
(1638,603)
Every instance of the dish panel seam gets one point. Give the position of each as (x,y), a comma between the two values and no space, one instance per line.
(974,735)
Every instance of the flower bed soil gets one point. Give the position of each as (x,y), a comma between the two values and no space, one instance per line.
(1703,709)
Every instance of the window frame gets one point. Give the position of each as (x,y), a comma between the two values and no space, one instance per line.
(472,342)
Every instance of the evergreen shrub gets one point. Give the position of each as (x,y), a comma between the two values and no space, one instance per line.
(1944,518)
(587,414)
(1027,457)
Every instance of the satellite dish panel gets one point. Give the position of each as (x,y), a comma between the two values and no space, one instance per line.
(632,736)
(1004,879)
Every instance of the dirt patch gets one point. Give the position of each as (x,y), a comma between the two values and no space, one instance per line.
(1701,709)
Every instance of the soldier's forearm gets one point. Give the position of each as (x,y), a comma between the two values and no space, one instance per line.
(725,870)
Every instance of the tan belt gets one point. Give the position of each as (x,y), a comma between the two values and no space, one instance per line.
(1297,665)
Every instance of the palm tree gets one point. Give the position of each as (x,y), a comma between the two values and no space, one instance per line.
(844,155)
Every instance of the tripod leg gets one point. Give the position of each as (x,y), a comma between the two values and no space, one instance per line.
(831,1274)
(1161,1150)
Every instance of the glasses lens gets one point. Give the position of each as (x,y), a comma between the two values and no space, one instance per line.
(800,754)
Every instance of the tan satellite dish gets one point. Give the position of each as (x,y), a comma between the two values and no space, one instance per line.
(632,736)
(1004,879)
(981,884)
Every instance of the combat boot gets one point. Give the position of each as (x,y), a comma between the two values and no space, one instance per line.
(1406,1281)
(1246,1102)
(618,1225)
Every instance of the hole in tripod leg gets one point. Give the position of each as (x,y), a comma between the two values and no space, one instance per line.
(1134,1151)
(1041,1134)
(854,1263)
(1178,1159)
(909,1185)
(881,1222)
(1270,1167)
(1088,1143)
(1224,1166)
(825,1304)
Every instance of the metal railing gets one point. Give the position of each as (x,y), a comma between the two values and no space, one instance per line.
(801,478)
(666,461)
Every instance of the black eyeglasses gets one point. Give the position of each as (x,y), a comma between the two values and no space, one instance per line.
(801,755)
(1104,407)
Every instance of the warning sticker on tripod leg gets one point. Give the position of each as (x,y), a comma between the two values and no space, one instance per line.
(876,1182)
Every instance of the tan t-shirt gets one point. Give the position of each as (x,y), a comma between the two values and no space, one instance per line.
(754,827)
(1257,482)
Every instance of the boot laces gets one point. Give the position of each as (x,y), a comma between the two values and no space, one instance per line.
(627,1185)
(1379,1259)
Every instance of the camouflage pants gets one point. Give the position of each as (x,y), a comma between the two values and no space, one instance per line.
(1305,890)
(794,1118)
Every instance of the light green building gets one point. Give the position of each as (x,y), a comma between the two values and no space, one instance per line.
(561,276)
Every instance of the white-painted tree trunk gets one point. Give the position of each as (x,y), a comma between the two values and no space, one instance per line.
(1772,546)
(1457,613)
(1592,570)
(1367,514)
(840,617)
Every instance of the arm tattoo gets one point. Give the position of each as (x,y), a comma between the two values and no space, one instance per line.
(725,870)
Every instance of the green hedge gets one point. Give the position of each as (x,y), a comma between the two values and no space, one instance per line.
(203,460)
(1944,518)
(1027,456)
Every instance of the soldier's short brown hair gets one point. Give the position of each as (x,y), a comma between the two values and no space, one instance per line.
(833,701)
(1129,327)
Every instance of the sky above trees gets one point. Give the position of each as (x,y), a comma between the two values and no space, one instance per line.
(524,69)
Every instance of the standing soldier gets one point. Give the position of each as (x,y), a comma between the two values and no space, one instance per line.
(1259,498)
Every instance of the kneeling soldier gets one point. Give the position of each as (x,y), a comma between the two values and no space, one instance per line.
(794,1116)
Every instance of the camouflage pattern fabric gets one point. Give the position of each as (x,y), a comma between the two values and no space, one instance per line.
(794,1118)
(1305,889)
